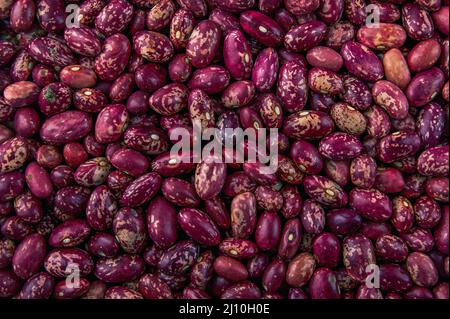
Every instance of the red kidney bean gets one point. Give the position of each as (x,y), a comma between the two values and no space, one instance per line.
(12,185)
(38,180)
(324,81)
(10,284)
(382,36)
(398,145)
(292,87)
(115,51)
(13,154)
(356,93)
(243,215)
(20,94)
(391,98)
(92,172)
(308,125)
(424,55)
(63,290)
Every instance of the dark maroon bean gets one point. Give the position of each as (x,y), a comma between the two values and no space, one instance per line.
(197,225)
(152,287)
(101,207)
(261,27)
(417,22)
(10,284)
(441,233)
(268,231)
(103,245)
(430,124)
(343,221)
(230,268)
(274,276)
(354,54)
(427,212)
(358,253)
(29,256)
(389,180)
(425,86)
(422,269)
(119,269)
(202,270)
(55,98)
(312,217)
(327,250)
(179,258)
(323,285)
(115,51)
(70,233)
(356,93)
(325,191)
(305,36)
(39,286)
(292,87)
(12,184)
(418,239)
(398,145)
(22,15)
(111,123)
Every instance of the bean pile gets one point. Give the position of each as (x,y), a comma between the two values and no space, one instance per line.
(92,205)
